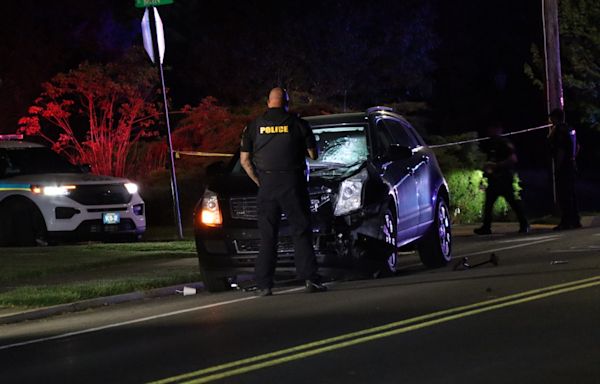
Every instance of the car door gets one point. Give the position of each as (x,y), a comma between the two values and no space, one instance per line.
(400,179)
(405,135)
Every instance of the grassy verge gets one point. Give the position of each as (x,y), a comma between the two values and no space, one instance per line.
(41,276)
(45,295)
(39,262)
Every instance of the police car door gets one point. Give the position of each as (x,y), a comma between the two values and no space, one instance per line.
(398,175)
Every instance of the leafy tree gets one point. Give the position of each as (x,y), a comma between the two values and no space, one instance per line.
(580,48)
(95,114)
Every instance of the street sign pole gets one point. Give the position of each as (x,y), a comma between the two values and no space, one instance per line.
(156,49)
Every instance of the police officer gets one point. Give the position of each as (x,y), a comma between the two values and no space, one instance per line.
(273,153)
(563,144)
(499,171)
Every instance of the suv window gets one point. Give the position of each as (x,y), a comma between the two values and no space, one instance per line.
(382,138)
(28,161)
(401,134)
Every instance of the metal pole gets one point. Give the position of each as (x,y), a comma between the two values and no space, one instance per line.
(174,189)
(554,91)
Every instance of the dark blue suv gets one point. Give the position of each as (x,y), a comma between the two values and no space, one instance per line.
(376,187)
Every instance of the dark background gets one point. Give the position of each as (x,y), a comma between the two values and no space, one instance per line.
(467,62)
(461,61)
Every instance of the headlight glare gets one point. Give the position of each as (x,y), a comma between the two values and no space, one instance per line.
(210,212)
(131,188)
(53,190)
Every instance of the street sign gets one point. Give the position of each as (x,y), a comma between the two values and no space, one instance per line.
(151,3)
(147,35)
(152,27)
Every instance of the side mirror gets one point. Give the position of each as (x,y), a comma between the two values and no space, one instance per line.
(398,152)
(215,168)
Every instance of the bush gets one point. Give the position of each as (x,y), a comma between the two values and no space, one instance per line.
(467,196)
(460,164)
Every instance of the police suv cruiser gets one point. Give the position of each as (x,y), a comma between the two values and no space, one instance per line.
(44,198)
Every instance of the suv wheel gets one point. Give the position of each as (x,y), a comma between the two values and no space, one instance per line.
(435,249)
(388,228)
(213,282)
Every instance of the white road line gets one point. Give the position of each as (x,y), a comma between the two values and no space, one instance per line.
(219,304)
(509,247)
(140,320)
(523,239)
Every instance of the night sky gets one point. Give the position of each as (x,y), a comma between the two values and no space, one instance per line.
(464,58)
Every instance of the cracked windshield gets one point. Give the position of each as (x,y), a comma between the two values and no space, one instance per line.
(339,148)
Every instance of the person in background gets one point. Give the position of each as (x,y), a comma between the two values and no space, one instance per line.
(563,144)
(499,171)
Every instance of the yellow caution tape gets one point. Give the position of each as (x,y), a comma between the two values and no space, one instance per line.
(203,154)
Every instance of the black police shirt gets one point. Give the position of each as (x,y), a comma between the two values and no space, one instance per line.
(278,141)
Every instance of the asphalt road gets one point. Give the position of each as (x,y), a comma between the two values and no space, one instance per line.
(534,318)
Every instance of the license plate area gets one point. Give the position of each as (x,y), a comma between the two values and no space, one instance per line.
(110,218)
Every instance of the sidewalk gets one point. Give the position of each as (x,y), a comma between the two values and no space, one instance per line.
(8,315)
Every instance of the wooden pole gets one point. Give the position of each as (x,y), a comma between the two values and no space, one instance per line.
(554,90)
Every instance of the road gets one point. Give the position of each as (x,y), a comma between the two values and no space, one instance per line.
(534,318)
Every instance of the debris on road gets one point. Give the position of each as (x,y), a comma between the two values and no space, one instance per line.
(463,263)
(187,291)
(554,262)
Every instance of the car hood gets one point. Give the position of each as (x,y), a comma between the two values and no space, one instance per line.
(65,178)
(239,185)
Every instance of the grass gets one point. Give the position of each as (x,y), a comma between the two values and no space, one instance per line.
(40,276)
(42,295)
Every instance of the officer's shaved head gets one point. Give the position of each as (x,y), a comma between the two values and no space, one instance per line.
(277,98)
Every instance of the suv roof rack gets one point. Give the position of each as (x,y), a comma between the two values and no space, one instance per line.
(379,108)
(15,136)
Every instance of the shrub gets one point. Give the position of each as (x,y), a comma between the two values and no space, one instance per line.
(467,196)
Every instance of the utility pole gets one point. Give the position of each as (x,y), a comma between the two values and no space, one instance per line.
(554,90)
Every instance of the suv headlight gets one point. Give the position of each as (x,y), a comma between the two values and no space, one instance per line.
(351,194)
(210,212)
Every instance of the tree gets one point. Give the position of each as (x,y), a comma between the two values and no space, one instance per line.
(580,46)
(97,112)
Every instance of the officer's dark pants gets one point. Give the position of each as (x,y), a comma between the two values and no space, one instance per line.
(505,189)
(285,192)
(565,193)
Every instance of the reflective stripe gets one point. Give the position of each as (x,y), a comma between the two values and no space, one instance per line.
(15,187)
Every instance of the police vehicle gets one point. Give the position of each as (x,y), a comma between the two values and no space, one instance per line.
(375,189)
(44,198)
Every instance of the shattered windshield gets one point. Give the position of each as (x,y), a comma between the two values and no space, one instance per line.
(340,150)
(339,147)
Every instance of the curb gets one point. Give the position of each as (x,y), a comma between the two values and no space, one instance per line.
(40,313)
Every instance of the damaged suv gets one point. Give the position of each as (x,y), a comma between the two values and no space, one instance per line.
(375,188)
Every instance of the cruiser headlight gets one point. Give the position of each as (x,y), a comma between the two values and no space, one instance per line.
(131,188)
(351,194)
(53,190)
